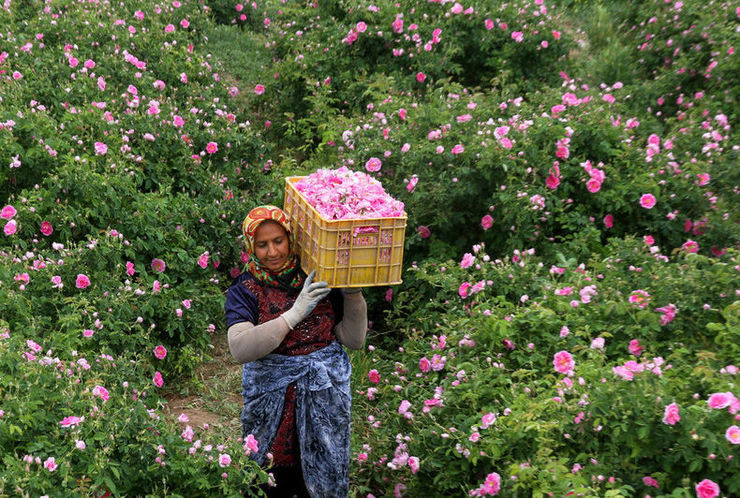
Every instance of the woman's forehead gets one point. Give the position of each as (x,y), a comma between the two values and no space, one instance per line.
(269,230)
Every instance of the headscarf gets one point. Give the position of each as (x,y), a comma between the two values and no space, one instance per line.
(290,276)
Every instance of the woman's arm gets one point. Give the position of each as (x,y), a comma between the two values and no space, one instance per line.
(352,329)
(249,342)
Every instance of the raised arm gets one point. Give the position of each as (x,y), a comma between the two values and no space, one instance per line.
(352,329)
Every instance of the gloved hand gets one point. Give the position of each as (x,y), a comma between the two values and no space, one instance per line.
(310,295)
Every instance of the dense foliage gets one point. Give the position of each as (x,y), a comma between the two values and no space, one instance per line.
(568,322)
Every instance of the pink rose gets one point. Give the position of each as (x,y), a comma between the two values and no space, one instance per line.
(733,434)
(158,265)
(212,147)
(160,352)
(46,228)
(467,260)
(374,376)
(259,89)
(203,260)
(100,149)
(649,481)
(707,489)
(671,415)
(414,464)
(420,77)
(425,365)
(486,222)
(50,464)
(158,381)
(492,484)
(463,289)
(251,444)
(10,227)
(424,232)
(373,164)
(690,246)
(224,460)
(8,212)
(608,221)
(720,400)
(83,281)
(647,201)
(563,362)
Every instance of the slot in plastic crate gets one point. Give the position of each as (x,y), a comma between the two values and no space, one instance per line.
(345,253)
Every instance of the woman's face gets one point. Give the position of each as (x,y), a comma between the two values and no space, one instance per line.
(271,245)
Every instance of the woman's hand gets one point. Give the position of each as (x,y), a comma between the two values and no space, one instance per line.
(310,295)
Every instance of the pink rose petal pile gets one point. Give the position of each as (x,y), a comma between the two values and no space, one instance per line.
(342,194)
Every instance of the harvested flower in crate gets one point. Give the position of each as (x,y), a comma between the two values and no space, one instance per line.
(343,194)
(346,227)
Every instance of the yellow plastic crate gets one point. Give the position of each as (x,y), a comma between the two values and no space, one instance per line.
(345,253)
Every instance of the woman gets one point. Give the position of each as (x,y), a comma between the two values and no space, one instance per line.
(284,328)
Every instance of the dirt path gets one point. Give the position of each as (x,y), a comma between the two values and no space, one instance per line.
(218,385)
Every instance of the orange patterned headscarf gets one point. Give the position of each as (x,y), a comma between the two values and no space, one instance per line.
(289,276)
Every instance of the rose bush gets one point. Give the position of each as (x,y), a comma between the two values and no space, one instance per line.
(83,424)
(546,373)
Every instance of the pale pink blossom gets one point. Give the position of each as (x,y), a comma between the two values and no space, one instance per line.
(373,165)
(10,228)
(563,362)
(671,414)
(487,420)
(71,421)
(463,289)
(100,148)
(732,434)
(50,464)
(158,380)
(467,260)
(224,459)
(720,400)
(251,445)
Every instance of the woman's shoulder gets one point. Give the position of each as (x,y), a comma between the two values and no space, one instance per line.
(241,278)
(240,283)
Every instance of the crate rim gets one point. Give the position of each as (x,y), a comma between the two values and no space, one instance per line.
(290,180)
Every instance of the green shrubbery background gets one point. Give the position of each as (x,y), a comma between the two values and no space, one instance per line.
(201,121)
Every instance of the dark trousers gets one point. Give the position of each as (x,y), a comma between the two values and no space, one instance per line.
(289,482)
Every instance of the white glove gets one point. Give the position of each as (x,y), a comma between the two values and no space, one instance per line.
(310,295)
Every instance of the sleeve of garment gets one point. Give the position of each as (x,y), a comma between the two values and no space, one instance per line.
(352,329)
(241,304)
(249,342)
